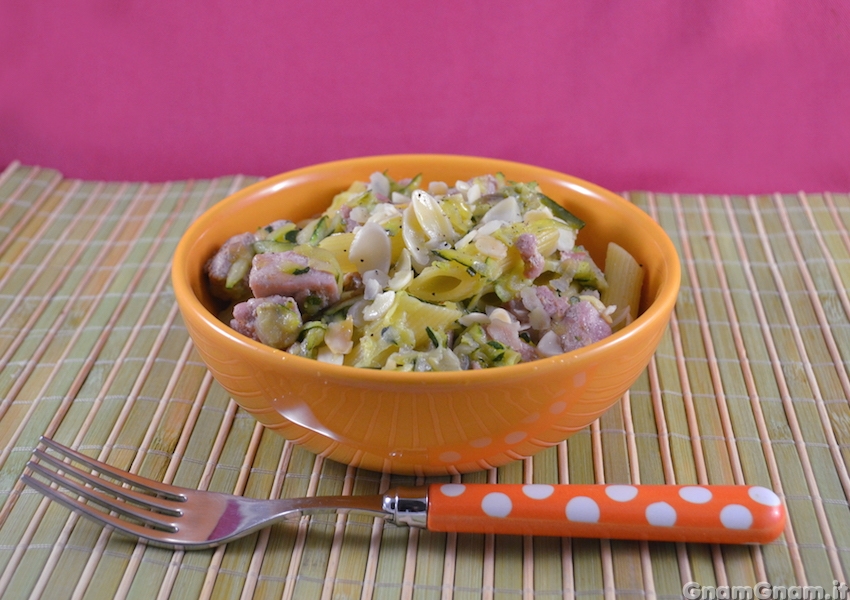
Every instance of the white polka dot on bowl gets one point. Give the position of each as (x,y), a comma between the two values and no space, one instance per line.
(450,456)
(515,437)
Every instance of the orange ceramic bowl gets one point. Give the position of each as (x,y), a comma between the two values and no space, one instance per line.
(425,423)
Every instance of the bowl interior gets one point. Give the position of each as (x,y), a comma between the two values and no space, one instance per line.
(303,193)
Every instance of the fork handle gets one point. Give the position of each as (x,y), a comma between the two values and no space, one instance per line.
(724,514)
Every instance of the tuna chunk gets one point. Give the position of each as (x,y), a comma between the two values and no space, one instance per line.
(345,213)
(508,334)
(228,269)
(295,275)
(581,325)
(526,243)
(274,321)
(554,305)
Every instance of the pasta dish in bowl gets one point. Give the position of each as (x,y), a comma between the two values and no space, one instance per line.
(481,274)
(359,307)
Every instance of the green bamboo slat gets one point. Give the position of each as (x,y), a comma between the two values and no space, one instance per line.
(827,374)
(508,552)
(356,538)
(621,559)
(282,540)
(681,409)
(430,559)
(18,310)
(580,458)
(613,443)
(189,570)
(800,389)
(126,454)
(236,437)
(317,546)
(233,561)
(36,378)
(666,367)
(722,259)
(719,352)
(546,557)
(28,199)
(834,224)
(24,192)
(715,459)
(798,495)
(469,566)
(789,464)
(391,562)
(751,445)
(650,467)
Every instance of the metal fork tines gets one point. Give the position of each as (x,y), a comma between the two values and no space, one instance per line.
(168,515)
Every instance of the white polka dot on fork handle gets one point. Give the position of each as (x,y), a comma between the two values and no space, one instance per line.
(538,491)
(621,493)
(695,494)
(661,514)
(762,495)
(497,504)
(452,489)
(582,509)
(735,516)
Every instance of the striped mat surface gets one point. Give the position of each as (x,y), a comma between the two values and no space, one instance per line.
(751,384)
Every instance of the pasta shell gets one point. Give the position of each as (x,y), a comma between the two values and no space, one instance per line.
(370,249)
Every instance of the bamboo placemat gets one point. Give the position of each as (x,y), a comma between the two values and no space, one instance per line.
(749,385)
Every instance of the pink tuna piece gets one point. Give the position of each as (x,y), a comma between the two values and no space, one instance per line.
(345,213)
(554,305)
(236,248)
(582,325)
(289,274)
(508,335)
(526,243)
(245,321)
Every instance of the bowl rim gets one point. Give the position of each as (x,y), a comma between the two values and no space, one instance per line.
(190,304)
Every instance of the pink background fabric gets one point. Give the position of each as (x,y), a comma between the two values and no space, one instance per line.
(720,96)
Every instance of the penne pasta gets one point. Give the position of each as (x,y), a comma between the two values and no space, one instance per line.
(625,281)
(418,316)
(447,281)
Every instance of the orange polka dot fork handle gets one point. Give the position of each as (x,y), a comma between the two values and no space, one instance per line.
(192,519)
(725,514)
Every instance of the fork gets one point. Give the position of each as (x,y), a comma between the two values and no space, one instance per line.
(175,517)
